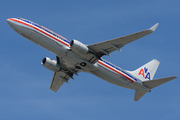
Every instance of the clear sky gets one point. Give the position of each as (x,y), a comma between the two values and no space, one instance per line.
(24,83)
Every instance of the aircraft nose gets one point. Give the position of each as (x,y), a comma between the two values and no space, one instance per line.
(9,21)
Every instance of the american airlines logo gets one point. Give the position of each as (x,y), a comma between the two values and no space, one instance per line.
(144,72)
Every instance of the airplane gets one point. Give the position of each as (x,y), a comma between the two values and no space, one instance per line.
(73,57)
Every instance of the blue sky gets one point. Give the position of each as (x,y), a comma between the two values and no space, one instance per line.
(24,84)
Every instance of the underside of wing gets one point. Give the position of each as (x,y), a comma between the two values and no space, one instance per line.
(58,79)
(106,47)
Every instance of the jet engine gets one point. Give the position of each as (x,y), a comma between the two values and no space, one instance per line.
(50,64)
(78,47)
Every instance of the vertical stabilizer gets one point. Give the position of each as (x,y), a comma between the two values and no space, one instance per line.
(147,71)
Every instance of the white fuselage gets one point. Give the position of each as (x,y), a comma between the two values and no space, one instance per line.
(60,47)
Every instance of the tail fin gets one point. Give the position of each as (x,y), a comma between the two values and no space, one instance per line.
(147,71)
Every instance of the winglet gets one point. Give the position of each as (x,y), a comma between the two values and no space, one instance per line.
(153,28)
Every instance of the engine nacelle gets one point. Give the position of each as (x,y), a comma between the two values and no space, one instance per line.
(78,47)
(50,64)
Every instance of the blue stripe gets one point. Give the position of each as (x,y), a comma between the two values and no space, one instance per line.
(118,69)
(42,28)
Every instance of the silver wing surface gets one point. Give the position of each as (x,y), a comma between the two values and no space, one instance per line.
(106,47)
(58,79)
(62,76)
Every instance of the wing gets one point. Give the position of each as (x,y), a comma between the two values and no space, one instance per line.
(62,76)
(58,79)
(106,47)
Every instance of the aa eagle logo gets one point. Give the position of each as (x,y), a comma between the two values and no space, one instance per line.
(144,72)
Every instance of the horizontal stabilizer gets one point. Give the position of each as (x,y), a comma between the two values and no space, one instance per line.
(156,82)
(138,95)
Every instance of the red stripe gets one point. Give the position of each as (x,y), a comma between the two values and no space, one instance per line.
(39,31)
(114,70)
